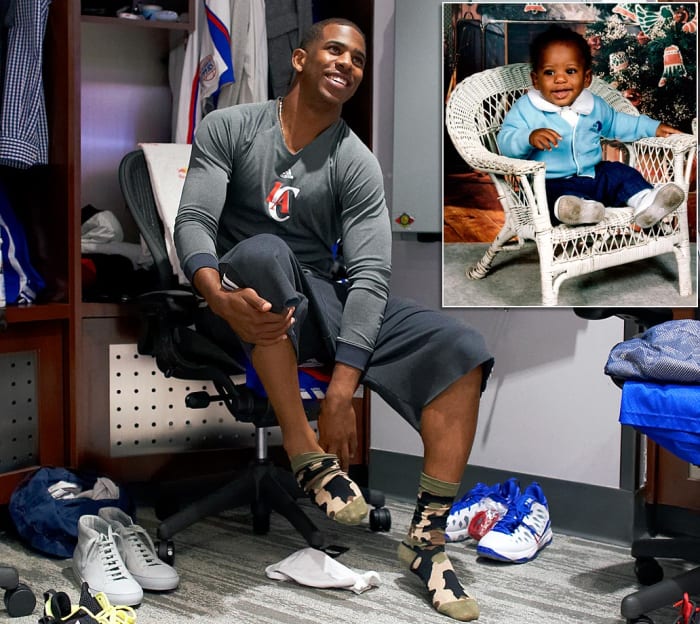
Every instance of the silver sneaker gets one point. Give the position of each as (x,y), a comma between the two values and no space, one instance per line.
(97,562)
(139,553)
(574,210)
(661,201)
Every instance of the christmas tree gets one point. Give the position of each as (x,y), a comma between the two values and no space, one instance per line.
(648,52)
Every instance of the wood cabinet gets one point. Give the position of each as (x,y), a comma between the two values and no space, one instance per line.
(106,86)
(44,336)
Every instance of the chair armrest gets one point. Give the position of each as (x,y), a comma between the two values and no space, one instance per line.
(674,142)
(162,312)
(665,159)
(176,307)
(482,159)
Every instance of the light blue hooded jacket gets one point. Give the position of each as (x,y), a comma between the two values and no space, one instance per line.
(579,151)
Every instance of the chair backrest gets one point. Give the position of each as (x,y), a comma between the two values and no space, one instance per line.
(477,106)
(180,351)
(136,187)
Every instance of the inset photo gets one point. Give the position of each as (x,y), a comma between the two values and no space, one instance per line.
(569,155)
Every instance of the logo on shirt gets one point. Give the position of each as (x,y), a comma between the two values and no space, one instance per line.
(207,69)
(287,174)
(279,201)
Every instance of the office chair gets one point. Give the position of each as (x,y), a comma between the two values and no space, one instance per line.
(182,352)
(19,599)
(659,592)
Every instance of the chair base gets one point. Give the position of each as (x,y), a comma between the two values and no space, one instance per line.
(264,488)
(662,593)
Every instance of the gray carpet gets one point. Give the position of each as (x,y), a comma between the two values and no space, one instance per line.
(221,564)
(514,281)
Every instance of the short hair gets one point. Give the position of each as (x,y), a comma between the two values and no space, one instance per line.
(315,31)
(557,34)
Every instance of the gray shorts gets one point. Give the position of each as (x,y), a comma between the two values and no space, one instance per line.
(419,351)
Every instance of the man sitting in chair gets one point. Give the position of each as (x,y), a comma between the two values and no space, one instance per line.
(559,122)
(270,189)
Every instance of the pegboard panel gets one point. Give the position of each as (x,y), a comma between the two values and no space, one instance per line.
(19,439)
(148,414)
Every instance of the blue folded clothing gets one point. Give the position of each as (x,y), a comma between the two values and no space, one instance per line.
(669,414)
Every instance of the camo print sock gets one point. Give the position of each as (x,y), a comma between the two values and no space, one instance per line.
(423,550)
(320,476)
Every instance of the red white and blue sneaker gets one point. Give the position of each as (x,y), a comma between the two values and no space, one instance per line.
(479,510)
(522,532)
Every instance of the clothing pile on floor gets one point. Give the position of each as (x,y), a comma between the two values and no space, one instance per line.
(508,524)
(88,517)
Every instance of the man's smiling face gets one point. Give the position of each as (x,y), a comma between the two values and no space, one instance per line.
(335,63)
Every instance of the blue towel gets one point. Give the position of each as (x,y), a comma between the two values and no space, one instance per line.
(669,414)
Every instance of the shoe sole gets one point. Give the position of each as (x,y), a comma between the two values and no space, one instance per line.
(519,557)
(116,599)
(151,584)
(668,199)
(459,536)
(577,211)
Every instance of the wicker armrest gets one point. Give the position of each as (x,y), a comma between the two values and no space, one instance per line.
(674,142)
(484,160)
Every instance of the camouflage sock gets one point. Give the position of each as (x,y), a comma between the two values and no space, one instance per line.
(320,476)
(423,550)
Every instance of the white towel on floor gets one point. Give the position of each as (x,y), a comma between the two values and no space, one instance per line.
(316,569)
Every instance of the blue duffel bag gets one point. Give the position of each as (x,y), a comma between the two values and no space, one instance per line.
(49,524)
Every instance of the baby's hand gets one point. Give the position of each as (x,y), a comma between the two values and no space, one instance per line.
(544,139)
(663,130)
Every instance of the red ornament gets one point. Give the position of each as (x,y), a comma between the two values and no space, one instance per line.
(595,42)
(681,15)
(534,8)
(643,38)
(634,96)
(691,26)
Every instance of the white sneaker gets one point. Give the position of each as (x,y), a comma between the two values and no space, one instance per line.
(522,532)
(573,210)
(478,510)
(139,553)
(660,201)
(97,562)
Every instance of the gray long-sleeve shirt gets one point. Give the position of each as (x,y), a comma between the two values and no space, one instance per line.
(242,181)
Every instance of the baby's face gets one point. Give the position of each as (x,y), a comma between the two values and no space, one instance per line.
(561,75)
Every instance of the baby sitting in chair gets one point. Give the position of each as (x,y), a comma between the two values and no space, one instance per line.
(560,122)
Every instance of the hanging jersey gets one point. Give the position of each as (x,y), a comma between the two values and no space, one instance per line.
(207,66)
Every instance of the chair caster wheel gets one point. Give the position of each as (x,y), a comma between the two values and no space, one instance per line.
(20,601)
(648,571)
(166,551)
(380,519)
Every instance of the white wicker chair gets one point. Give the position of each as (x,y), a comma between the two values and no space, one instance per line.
(474,114)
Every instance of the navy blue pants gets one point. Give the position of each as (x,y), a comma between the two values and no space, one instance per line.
(613,185)
(419,351)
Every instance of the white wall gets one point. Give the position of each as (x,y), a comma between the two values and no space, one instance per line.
(125,98)
(548,410)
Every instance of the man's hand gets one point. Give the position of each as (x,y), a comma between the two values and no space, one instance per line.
(337,426)
(544,139)
(664,130)
(244,310)
(337,430)
(250,317)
